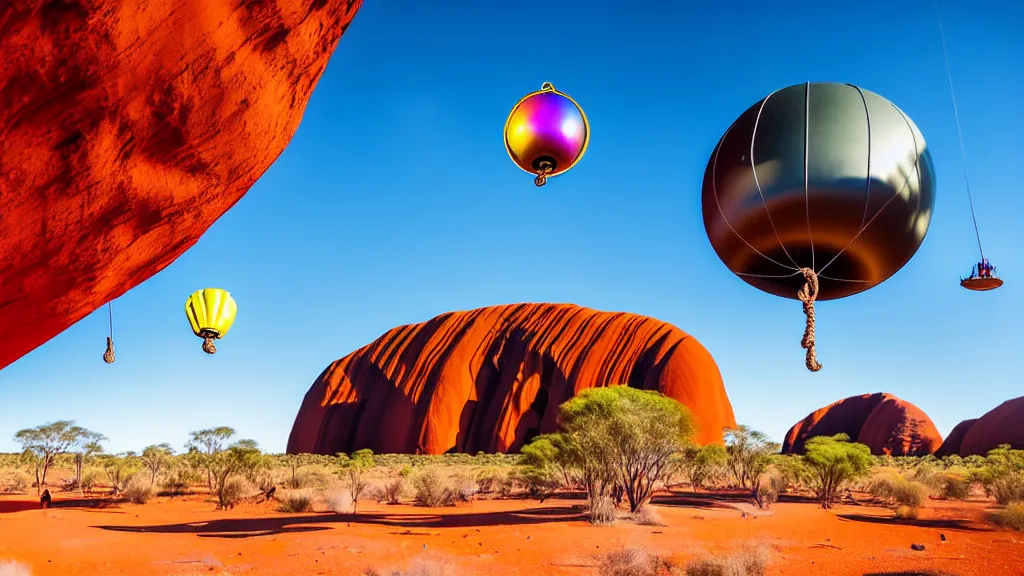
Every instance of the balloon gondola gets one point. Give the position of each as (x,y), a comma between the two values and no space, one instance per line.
(818,191)
(546,133)
(211,313)
(982,278)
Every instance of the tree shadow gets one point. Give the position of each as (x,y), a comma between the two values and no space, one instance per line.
(252,527)
(703,500)
(945,524)
(87,504)
(910,573)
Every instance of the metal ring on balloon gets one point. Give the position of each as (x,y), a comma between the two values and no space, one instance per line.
(544,149)
(820,176)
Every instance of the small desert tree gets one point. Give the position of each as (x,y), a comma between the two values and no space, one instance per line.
(835,460)
(749,454)
(543,469)
(704,463)
(206,444)
(354,467)
(243,458)
(628,436)
(48,441)
(584,448)
(119,468)
(156,458)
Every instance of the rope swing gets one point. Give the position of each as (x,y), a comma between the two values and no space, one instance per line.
(808,294)
(108,356)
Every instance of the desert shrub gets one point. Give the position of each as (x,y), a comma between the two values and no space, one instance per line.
(704,465)
(648,516)
(432,490)
(311,477)
(394,490)
(892,486)
(177,482)
(489,480)
(464,486)
(601,510)
(751,561)
(232,491)
(1003,474)
(297,501)
(14,481)
(338,501)
(954,486)
(767,488)
(908,512)
(633,562)
(420,567)
(1011,517)
(928,471)
(139,489)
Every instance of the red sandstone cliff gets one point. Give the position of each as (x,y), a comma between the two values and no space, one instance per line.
(1004,424)
(881,421)
(487,379)
(127,129)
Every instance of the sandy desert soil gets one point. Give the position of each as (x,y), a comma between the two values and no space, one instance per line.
(186,536)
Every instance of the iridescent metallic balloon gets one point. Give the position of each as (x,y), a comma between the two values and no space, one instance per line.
(818,191)
(546,133)
(822,176)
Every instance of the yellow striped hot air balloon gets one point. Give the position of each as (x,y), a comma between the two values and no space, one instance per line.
(210,312)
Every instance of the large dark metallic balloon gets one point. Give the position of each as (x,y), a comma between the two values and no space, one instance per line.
(824,176)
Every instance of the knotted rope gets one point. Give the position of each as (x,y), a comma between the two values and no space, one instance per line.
(108,356)
(807,295)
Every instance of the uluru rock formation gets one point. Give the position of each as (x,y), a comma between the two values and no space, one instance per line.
(127,129)
(1004,424)
(951,445)
(881,421)
(491,378)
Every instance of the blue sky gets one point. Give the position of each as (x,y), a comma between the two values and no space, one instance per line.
(396,202)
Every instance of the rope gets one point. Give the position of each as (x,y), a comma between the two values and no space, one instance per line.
(542,174)
(959,132)
(108,356)
(807,295)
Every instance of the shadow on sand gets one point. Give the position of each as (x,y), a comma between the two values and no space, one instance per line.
(251,527)
(943,523)
(87,504)
(910,573)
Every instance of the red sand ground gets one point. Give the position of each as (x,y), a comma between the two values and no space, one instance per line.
(186,536)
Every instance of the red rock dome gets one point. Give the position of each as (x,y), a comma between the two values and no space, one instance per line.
(951,445)
(881,421)
(1004,424)
(491,378)
(127,129)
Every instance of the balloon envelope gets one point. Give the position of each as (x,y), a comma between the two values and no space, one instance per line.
(210,311)
(824,176)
